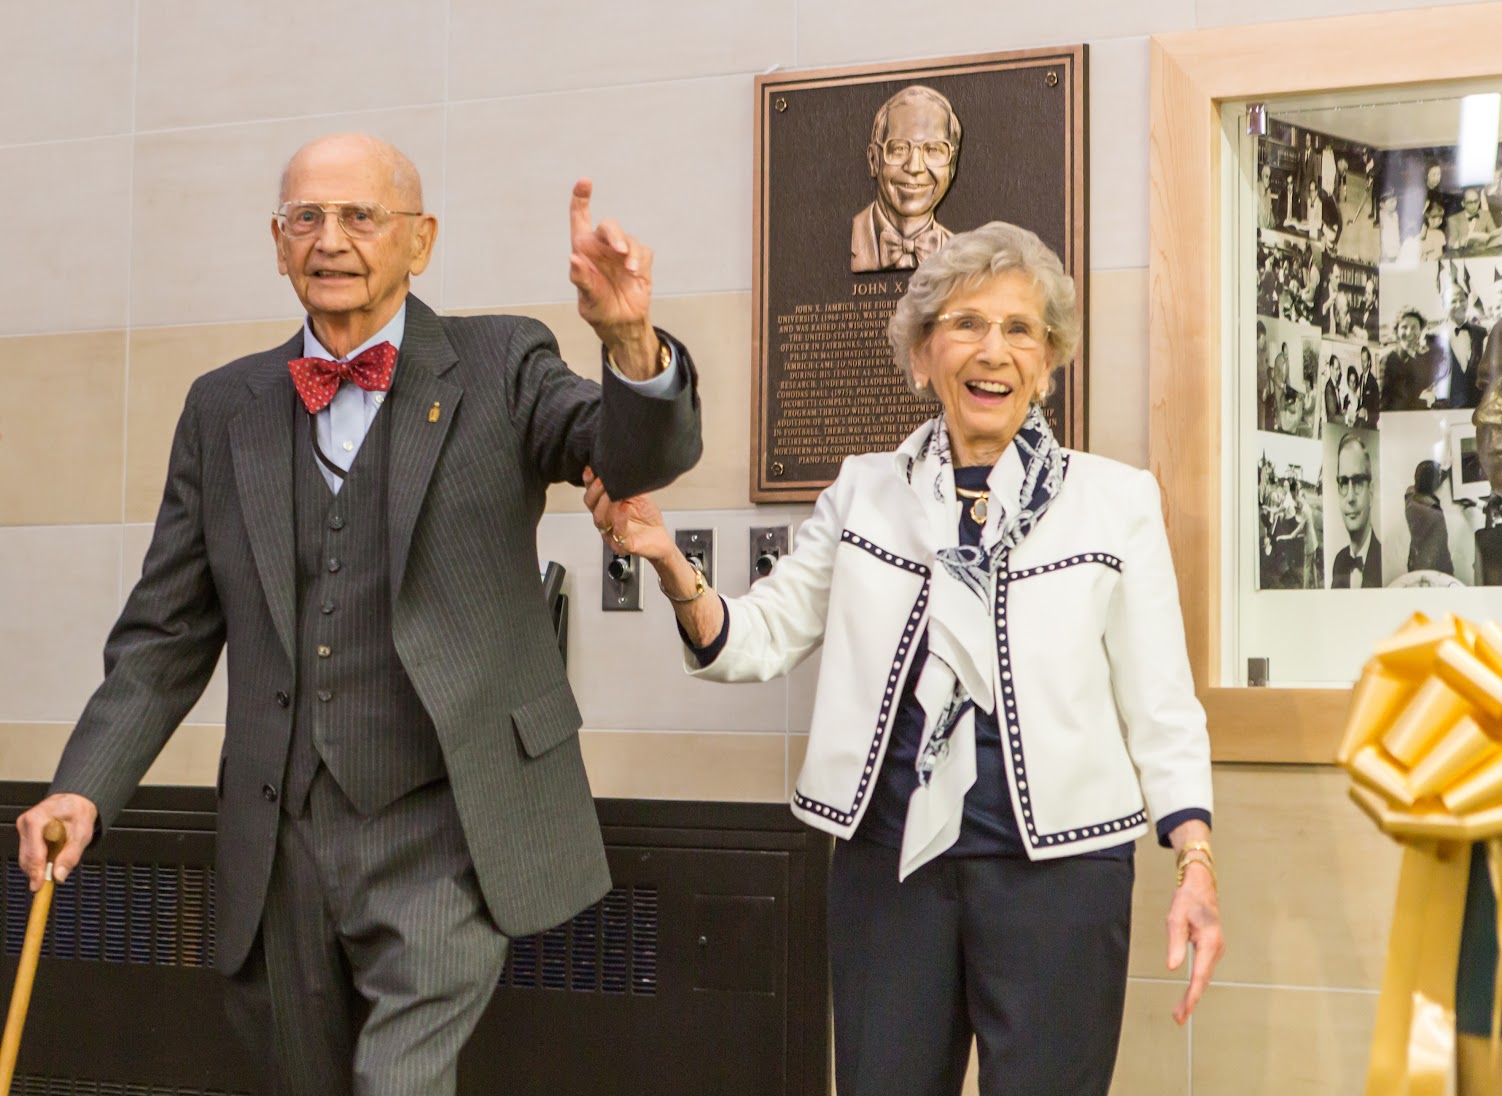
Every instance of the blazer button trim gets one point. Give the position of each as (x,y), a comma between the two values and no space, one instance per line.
(894,677)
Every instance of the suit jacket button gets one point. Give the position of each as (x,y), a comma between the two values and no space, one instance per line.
(283,700)
(327,607)
(336,523)
(334,564)
(325,696)
(268,793)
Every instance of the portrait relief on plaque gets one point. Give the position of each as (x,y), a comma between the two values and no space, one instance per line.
(858,181)
(914,150)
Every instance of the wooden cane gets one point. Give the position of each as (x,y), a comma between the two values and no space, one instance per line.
(31,949)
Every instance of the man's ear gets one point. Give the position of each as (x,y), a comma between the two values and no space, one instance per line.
(873,158)
(424,236)
(277,240)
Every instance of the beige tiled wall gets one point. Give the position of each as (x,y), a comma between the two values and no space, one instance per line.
(140,146)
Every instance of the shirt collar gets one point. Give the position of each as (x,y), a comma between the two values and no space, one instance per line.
(392,333)
(1365,546)
(883,223)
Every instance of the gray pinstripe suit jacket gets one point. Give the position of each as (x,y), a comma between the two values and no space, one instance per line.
(469,622)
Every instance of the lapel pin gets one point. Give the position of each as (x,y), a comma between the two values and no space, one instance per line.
(433,412)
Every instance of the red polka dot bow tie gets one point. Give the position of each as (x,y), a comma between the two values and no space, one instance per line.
(317,379)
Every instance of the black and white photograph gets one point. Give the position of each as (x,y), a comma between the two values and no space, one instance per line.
(1427,210)
(1469,477)
(1319,187)
(1290,517)
(1288,399)
(1349,388)
(1353,549)
(1348,308)
(1427,527)
(1435,320)
(1290,278)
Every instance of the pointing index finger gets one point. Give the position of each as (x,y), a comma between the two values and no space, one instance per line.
(578,209)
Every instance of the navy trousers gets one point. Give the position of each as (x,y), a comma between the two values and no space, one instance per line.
(1029,958)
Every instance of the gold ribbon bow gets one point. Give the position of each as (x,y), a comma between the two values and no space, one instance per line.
(1423,745)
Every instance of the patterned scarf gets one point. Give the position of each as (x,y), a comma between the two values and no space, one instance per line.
(958,675)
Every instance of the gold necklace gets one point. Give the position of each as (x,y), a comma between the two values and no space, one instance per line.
(978,508)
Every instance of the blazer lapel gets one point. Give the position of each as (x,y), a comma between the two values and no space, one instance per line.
(423,403)
(261,440)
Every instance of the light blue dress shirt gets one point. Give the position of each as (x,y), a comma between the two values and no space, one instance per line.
(342,425)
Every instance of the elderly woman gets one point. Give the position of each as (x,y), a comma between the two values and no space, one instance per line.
(1003,701)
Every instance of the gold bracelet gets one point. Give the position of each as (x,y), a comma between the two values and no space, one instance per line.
(1199,855)
(700,586)
(664,358)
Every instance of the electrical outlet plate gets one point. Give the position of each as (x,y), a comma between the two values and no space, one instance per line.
(623,594)
(698,544)
(769,543)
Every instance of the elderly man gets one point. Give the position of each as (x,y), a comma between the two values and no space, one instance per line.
(1359,564)
(1460,342)
(1471,227)
(354,512)
(915,145)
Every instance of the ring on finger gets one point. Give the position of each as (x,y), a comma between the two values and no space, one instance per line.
(619,540)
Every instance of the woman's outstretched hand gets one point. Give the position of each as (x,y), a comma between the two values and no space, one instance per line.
(632,527)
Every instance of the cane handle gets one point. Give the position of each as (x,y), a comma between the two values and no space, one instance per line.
(56,836)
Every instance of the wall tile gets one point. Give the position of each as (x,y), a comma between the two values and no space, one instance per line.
(842,32)
(59,586)
(71,67)
(29,751)
(1151,897)
(497,50)
(1118,157)
(202,249)
(69,233)
(207,63)
(1117,393)
(211,706)
(60,458)
(716,328)
(1212,13)
(1154,1055)
(722,767)
(513,163)
(1250,1041)
(648,689)
(190,758)
(164,362)
(1307,882)
(797,751)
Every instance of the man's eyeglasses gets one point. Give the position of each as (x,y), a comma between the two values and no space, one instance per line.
(360,220)
(1020,332)
(935,153)
(1346,484)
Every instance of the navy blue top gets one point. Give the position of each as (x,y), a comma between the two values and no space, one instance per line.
(990,825)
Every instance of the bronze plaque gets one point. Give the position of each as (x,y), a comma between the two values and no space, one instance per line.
(860,174)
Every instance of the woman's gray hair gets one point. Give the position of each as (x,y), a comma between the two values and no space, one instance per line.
(966,261)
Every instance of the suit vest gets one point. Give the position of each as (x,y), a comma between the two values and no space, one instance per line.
(356,710)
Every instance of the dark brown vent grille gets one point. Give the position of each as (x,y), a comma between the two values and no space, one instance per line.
(157,914)
(67,1086)
(609,948)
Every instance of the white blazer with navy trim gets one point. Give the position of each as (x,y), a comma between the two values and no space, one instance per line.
(1099,715)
